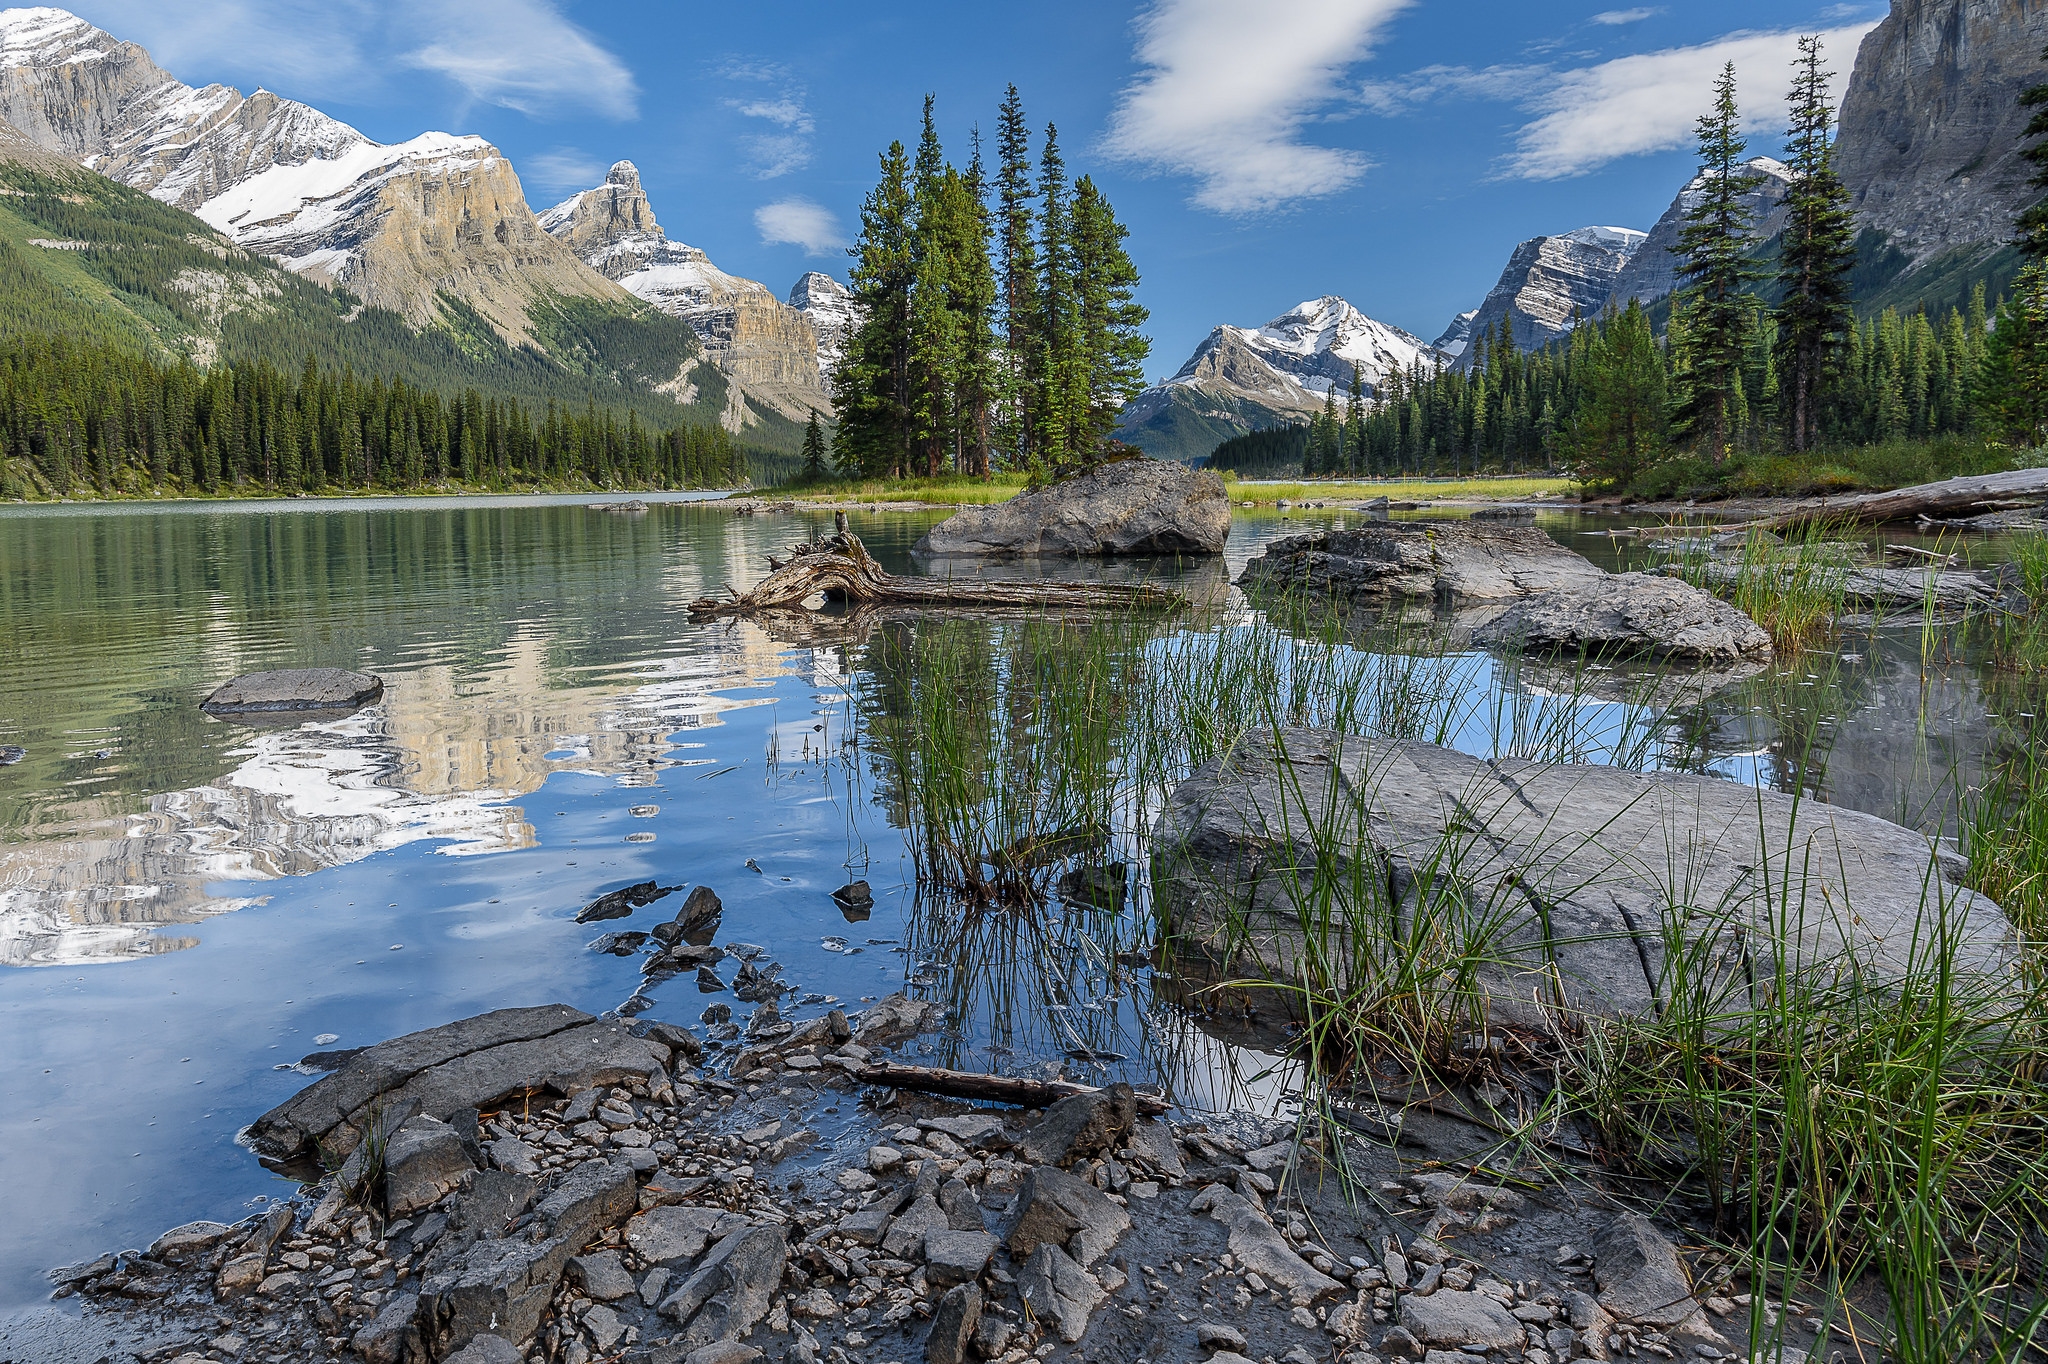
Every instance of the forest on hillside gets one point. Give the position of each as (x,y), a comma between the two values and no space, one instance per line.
(81,415)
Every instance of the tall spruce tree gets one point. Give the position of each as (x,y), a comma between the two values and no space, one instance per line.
(1112,349)
(1620,426)
(1815,255)
(1357,460)
(1060,383)
(871,387)
(1714,261)
(815,468)
(971,233)
(1017,278)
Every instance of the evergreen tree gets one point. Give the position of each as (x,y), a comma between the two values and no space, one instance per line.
(815,468)
(1056,331)
(2015,364)
(1816,254)
(1620,427)
(1112,349)
(871,387)
(1714,252)
(1356,460)
(1017,271)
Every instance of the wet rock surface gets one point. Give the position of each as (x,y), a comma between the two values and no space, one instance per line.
(1132,506)
(1627,615)
(1569,867)
(674,1218)
(1451,562)
(329,689)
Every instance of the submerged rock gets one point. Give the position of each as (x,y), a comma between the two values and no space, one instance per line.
(1131,506)
(1567,874)
(1454,562)
(619,903)
(1631,614)
(294,689)
(10,754)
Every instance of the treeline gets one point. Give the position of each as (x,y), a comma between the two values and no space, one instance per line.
(1269,450)
(1733,376)
(998,321)
(77,417)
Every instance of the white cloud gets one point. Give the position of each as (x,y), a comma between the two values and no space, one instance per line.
(522,54)
(1434,83)
(1228,87)
(787,149)
(799,222)
(1615,18)
(1649,102)
(561,171)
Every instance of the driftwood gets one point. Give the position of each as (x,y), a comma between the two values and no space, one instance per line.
(840,568)
(1935,501)
(1000,1089)
(1951,590)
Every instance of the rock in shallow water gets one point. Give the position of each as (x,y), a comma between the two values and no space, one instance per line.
(294,689)
(1132,506)
(1455,562)
(1631,615)
(1568,871)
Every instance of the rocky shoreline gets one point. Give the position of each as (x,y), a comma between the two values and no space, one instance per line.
(618,1199)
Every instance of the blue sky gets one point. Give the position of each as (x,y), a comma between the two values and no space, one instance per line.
(1262,151)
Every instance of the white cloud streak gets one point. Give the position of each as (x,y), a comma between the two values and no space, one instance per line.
(561,170)
(1648,102)
(1227,89)
(800,222)
(1615,18)
(520,54)
(524,55)
(788,149)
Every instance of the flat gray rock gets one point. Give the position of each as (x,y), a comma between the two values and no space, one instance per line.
(294,689)
(1448,1317)
(1131,506)
(466,1064)
(1631,615)
(1566,872)
(1059,1291)
(1452,562)
(1640,1276)
(423,1163)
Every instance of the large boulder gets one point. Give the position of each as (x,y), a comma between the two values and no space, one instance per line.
(331,689)
(1566,882)
(1452,562)
(1631,614)
(442,1071)
(1130,506)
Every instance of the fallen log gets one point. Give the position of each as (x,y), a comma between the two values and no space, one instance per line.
(999,1089)
(1977,492)
(1950,590)
(840,569)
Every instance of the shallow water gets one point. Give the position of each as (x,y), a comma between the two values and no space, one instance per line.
(188,906)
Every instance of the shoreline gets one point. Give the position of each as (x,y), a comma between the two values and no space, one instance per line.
(637,1197)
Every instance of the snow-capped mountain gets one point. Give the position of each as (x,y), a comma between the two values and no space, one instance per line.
(830,306)
(397,225)
(769,346)
(1458,335)
(1548,282)
(1241,378)
(1653,272)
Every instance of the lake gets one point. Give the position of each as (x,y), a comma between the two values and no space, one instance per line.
(188,906)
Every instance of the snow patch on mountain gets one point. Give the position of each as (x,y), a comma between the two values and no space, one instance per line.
(831,308)
(1311,350)
(1550,285)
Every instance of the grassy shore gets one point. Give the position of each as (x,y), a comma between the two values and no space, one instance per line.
(961,490)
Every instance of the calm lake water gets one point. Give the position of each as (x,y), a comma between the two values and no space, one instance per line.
(188,906)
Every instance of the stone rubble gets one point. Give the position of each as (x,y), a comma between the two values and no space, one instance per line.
(675,1217)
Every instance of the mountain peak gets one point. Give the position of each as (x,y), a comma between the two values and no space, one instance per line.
(624,174)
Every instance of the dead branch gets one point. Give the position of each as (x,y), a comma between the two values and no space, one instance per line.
(840,569)
(1976,493)
(1000,1089)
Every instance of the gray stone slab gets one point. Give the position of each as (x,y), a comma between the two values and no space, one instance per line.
(330,689)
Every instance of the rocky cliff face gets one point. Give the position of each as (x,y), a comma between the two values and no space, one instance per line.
(830,307)
(768,346)
(1652,272)
(397,225)
(1548,282)
(1931,122)
(1241,378)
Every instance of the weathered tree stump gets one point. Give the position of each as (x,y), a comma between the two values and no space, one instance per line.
(839,569)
